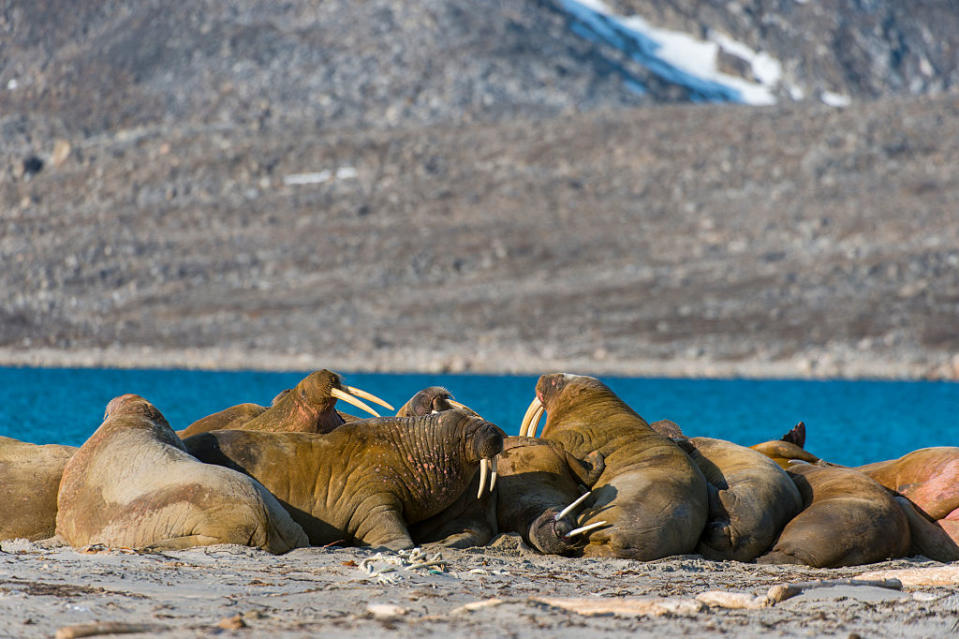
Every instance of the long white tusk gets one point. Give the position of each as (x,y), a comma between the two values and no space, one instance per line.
(492,477)
(573,505)
(534,422)
(484,470)
(583,529)
(359,392)
(524,426)
(349,399)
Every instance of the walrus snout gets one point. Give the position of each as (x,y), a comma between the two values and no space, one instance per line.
(551,535)
(488,441)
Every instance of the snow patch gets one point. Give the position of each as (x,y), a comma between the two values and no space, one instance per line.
(678,57)
(835,99)
(319,177)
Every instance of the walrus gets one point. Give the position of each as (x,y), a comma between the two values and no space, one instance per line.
(366,481)
(651,494)
(470,520)
(751,499)
(309,407)
(433,399)
(540,488)
(848,519)
(133,484)
(29,480)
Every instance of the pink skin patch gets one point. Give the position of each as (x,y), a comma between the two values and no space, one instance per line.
(939,494)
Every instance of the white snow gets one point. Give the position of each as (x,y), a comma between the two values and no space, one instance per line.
(835,99)
(319,177)
(679,57)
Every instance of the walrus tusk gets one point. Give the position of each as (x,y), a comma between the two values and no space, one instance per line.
(484,470)
(534,421)
(492,477)
(583,529)
(349,399)
(359,392)
(534,406)
(573,505)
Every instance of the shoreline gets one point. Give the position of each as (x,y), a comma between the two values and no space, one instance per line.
(813,367)
(503,589)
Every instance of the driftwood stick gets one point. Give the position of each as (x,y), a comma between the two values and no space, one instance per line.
(107,628)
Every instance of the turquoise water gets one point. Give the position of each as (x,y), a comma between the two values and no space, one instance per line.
(847,422)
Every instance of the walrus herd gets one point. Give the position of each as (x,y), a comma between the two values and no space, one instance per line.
(599,481)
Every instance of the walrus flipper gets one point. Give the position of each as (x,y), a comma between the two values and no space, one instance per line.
(927,538)
(384,526)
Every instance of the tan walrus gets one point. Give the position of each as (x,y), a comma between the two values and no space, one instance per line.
(849,519)
(132,484)
(29,480)
(652,496)
(364,482)
(309,407)
(751,499)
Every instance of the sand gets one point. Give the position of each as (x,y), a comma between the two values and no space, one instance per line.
(502,590)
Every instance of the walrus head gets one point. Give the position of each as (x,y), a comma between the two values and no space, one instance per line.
(131,404)
(310,406)
(434,399)
(558,393)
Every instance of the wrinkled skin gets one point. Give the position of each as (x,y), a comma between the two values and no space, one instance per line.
(468,521)
(848,520)
(365,482)
(132,484)
(537,480)
(307,408)
(751,499)
(29,479)
(650,493)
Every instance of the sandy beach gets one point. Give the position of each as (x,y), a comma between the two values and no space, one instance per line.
(503,590)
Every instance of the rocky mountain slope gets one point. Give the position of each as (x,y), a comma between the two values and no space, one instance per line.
(480,186)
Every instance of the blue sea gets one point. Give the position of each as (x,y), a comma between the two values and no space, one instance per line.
(848,422)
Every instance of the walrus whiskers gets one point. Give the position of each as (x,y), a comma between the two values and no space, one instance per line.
(584,529)
(573,505)
(524,426)
(349,399)
(359,392)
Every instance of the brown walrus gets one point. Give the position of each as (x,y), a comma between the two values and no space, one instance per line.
(132,484)
(366,481)
(650,493)
(751,499)
(540,487)
(471,519)
(433,399)
(29,480)
(309,407)
(924,483)
(849,519)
